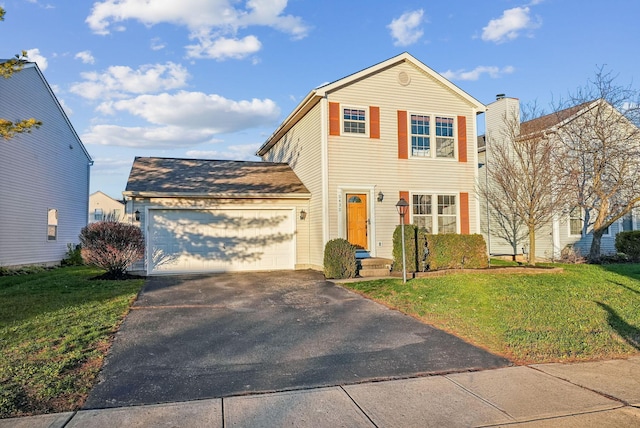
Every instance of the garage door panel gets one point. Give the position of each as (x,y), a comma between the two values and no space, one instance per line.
(221,240)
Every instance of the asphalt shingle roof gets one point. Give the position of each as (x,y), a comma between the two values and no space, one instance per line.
(171,176)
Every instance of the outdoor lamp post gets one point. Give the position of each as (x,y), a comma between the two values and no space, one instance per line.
(403,207)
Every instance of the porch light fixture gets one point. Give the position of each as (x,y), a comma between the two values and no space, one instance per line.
(137,215)
(303,214)
(403,207)
(380,196)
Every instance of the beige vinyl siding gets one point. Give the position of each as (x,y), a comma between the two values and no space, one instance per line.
(111,208)
(45,169)
(361,162)
(301,148)
(302,229)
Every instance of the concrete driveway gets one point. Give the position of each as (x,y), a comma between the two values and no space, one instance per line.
(196,337)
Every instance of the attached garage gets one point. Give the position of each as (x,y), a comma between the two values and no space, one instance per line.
(221,240)
(218,216)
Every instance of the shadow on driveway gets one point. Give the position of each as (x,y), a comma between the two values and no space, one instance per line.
(197,337)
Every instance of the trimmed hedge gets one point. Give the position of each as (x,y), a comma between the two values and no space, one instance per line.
(629,244)
(339,259)
(415,246)
(452,251)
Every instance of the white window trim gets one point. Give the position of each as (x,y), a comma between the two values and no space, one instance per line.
(607,234)
(367,114)
(434,207)
(432,136)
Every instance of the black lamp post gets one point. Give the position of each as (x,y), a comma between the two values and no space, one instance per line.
(403,207)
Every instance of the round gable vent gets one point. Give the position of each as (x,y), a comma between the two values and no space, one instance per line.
(403,78)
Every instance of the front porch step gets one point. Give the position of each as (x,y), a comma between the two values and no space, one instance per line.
(370,273)
(374,266)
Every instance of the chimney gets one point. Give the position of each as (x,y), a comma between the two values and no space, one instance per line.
(499,97)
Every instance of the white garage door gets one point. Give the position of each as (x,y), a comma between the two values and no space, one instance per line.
(185,240)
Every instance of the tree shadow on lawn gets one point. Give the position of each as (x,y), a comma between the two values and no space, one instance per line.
(628,332)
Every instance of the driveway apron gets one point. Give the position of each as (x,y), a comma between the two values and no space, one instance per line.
(207,336)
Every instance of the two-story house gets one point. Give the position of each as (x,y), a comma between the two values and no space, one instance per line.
(103,207)
(44,175)
(335,168)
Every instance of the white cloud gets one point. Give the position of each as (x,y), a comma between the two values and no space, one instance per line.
(117,81)
(183,119)
(509,25)
(150,137)
(233,152)
(157,44)
(85,57)
(493,72)
(197,110)
(406,30)
(33,55)
(224,48)
(110,166)
(207,21)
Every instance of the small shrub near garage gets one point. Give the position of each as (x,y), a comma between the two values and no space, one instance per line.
(452,251)
(339,259)
(415,248)
(112,246)
(628,243)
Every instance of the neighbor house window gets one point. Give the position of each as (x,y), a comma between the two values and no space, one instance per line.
(420,135)
(98,214)
(575,221)
(436,213)
(354,121)
(423,133)
(52,224)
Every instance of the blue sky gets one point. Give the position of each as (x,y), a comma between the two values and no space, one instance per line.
(214,78)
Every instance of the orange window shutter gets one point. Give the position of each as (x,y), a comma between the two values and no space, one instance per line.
(464,213)
(403,149)
(334,119)
(462,139)
(374,122)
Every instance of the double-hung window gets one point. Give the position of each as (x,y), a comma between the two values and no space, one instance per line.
(423,133)
(420,135)
(575,221)
(435,213)
(98,214)
(52,224)
(444,137)
(354,120)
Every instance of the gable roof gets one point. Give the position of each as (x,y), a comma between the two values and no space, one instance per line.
(318,93)
(32,67)
(100,192)
(552,120)
(171,177)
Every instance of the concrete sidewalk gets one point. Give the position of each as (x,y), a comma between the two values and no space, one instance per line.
(592,394)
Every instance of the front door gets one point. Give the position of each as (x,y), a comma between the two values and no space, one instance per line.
(357,223)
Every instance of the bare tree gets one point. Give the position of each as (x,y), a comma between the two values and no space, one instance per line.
(521,188)
(600,150)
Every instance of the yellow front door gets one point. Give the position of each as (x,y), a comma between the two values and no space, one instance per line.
(357,223)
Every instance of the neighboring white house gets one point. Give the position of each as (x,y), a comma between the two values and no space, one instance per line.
(568,226)
(44,175)
(103,207)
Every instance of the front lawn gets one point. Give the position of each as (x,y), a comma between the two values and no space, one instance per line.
(55,328)
(587,312)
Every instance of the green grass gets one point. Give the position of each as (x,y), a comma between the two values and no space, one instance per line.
(586,312)
(55,328)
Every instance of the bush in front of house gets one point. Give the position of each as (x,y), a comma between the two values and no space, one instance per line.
(339,259)
(629,243)
(452,251)
(415,246)
(112,246)
(73,256)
